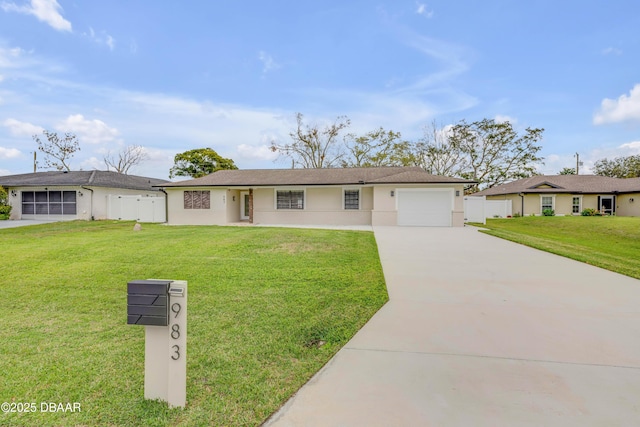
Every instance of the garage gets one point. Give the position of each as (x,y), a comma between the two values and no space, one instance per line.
(425,207)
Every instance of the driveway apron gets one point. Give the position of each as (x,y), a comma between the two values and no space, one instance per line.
(480,331)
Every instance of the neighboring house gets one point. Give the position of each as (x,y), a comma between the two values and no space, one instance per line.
(350,196)
(569,194)
(73,195)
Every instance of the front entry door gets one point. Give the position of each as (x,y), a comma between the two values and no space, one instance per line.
(606,205)
(244,205)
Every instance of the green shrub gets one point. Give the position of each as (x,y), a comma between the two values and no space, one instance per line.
(5,209)
(517,215)
(548,212)
(588,212)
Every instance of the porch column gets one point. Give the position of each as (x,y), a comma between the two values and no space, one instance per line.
(251,206)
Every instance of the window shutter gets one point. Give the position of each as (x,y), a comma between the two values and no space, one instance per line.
(206,200)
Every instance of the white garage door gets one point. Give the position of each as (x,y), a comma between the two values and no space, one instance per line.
(430,208)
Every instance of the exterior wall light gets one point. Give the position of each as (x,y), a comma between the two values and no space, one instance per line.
(393,193)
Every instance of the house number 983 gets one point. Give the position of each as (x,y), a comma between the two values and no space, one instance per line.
(175,331)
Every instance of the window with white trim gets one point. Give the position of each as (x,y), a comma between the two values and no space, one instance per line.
(352,199)
(547,203)
(575,206)
(290,199)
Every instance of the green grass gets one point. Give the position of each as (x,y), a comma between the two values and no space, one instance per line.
(260,302)
(609,242)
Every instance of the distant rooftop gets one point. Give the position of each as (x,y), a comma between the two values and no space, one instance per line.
(94,178)
(577,184)
(324,176)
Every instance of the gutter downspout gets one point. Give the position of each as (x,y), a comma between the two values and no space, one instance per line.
(90,201)
(166,205)
(522,203)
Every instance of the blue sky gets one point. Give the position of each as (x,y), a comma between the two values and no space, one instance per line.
(174,76)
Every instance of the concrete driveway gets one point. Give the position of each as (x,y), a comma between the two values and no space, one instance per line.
(21,223)
(483,332)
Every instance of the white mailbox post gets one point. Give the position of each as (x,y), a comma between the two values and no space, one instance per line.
(165,320)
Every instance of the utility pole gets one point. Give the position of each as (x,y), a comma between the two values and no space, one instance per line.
(34,162)
(578,164)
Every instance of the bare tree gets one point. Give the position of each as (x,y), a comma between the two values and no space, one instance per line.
(58,150)
(378,148)
(130,156)
(314,147)
(435,153)
(496,152)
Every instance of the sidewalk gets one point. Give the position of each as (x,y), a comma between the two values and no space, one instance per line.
(482,332)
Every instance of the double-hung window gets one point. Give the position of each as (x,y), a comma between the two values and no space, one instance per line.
(547,203)
(290,199)
(575,207)
(352,199)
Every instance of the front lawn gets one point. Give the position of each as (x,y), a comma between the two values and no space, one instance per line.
(268,307)
(609,242)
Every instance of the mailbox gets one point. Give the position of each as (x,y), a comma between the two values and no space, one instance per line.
(148,302)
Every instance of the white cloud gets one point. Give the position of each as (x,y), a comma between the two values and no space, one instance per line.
(268,63)
(102,39)
(625,108)
(88,131)
(93,163)
(556,162)
(421,9)
(10,57)
(503,119)
(9,153)
(47,11)
(256,152)
(631,147)
(18,128)
(111,42)
(611,51)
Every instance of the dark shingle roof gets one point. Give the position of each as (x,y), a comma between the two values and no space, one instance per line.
(331,176)
(93,178)
(565,184)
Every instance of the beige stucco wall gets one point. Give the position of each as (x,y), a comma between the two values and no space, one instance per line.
(563,203)
(88,204)
(628,204)
(323,206)
(233,205)
(215,215)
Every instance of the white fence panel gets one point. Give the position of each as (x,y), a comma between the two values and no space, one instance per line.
(474,209)
(137,208)
(478,209)
(498,208)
